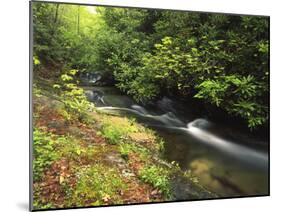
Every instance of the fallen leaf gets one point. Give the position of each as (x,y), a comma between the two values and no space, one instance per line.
(61,179)
(154,192)
(106,198)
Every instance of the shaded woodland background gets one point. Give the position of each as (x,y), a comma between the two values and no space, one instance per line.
(219,59)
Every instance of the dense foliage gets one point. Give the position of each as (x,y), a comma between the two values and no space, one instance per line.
(219,59)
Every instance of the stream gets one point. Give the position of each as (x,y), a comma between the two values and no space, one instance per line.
(223,159)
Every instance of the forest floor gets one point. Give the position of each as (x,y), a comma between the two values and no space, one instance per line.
(106,160)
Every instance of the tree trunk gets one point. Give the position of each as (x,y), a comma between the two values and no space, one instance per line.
(53,29)
(56,14)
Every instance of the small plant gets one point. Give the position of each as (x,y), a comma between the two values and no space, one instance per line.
(36,62)
(112,133)
(188,174)
(44,152)
(69,147)
(75,102)
(37,204)
(158,177)
(117,129)
(99,185)
(125,149)
(160,144)
(36,90)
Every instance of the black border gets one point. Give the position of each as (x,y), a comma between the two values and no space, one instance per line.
(31,105)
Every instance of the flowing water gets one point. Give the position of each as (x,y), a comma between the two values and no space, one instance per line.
(223,159)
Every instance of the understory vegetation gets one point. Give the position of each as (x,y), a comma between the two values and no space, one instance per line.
(76,164)
(98,159)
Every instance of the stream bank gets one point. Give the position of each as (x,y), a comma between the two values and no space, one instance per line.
(102,160)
